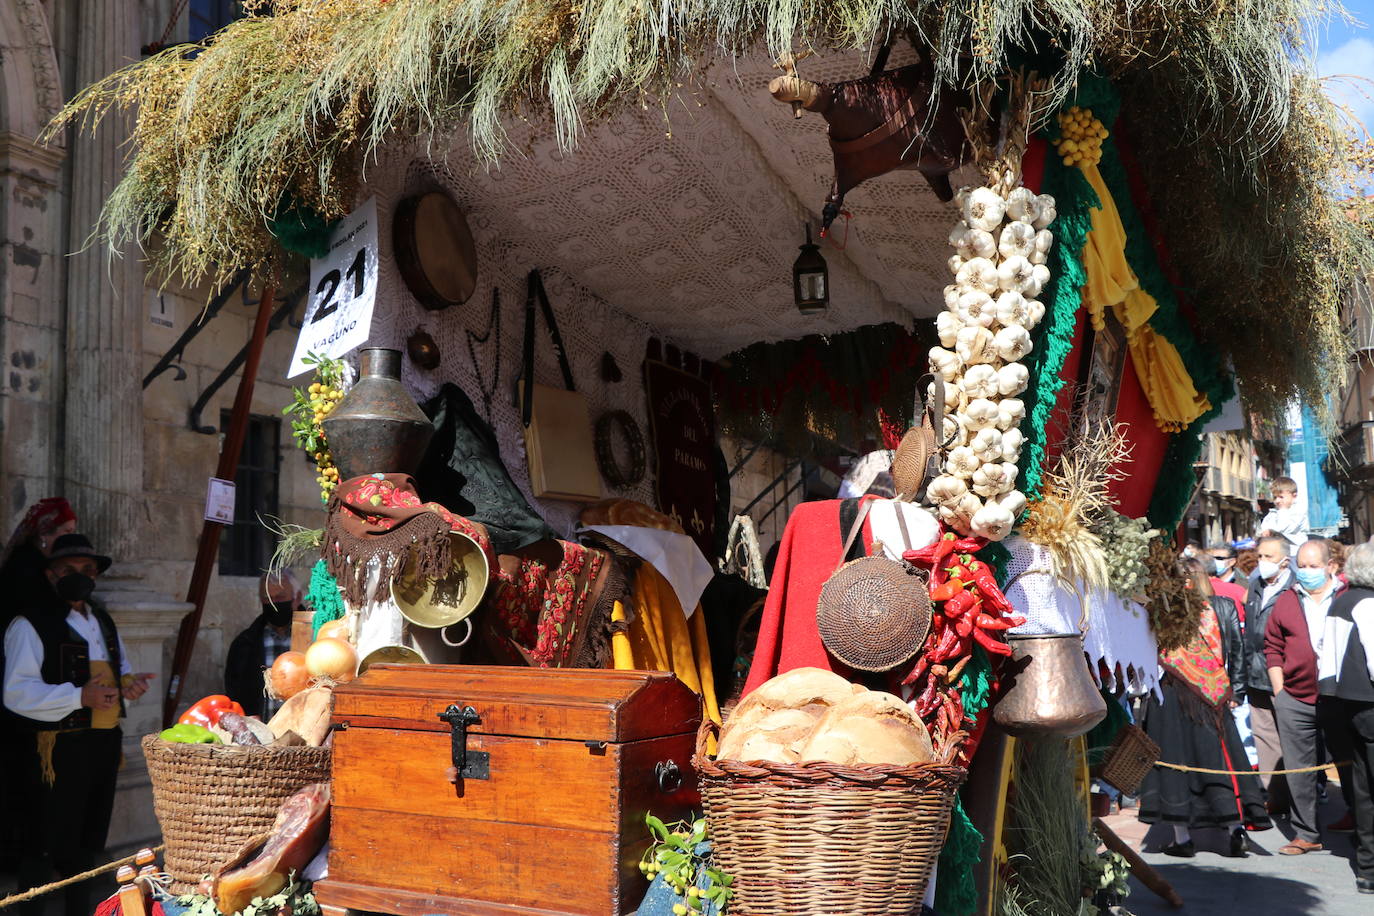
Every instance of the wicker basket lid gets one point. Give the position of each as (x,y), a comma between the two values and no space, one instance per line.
(910,460)
(874,613)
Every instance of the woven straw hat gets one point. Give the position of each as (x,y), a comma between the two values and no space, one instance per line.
(874,613)
(911,461)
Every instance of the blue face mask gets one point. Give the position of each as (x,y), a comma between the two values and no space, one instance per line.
(1221,566)
(1310,579)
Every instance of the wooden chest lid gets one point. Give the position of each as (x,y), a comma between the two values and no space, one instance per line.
(558,703)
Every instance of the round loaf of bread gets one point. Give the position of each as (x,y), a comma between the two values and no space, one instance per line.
(777,718)
(870,727)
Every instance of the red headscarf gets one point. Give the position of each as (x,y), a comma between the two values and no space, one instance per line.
(43,517)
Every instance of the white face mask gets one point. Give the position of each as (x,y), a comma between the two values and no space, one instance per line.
(1267,569)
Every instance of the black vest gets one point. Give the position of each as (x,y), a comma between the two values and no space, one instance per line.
(1352,681)
(67,658)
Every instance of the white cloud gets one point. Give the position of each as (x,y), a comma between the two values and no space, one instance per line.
(1352,66)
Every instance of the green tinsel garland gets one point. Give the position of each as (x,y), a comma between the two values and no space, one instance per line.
(323,595)
(956,892)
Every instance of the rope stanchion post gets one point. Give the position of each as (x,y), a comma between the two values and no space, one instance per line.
(36,892)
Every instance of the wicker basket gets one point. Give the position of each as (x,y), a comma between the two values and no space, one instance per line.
(1131,755)
(211,799)
(819,838)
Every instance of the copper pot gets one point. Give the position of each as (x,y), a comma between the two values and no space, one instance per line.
(377,427)
(1052,691)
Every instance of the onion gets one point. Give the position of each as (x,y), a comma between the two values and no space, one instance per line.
(333,658)
(336,628)
(288,676)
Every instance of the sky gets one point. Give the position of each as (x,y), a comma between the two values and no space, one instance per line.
(1347,50)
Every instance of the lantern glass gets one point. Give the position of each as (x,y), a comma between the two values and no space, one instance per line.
(810,279)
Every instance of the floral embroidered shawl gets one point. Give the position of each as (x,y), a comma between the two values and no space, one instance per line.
(1200,664)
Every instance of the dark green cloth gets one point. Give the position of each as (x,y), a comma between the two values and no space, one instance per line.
(462,471)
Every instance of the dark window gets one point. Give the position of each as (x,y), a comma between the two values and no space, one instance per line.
(246,546)
(209,16)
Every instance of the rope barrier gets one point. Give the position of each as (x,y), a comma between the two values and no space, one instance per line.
(74,879)
(1188,769)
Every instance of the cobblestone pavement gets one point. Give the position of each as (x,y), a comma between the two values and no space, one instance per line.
(1263,884)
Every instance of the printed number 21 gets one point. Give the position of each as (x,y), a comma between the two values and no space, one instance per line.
(329,285)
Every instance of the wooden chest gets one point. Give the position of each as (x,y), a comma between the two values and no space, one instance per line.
(560,767)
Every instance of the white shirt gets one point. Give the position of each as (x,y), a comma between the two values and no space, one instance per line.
(1337,638)
(1289,524)
(25,691)
(1272,589)
(1315,613)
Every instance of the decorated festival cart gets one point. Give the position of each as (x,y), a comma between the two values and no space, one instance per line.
(552,260)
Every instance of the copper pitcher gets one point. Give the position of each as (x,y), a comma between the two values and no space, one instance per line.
(1052,691)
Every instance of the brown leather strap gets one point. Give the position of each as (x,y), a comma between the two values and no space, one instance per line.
(854,529)
(895,124)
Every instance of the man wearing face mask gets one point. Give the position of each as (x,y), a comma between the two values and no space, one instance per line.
(1307,724)
(1272,576)
(257,647)
(66,678)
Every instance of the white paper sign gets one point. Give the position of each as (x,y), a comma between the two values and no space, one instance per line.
(219,501)
(344,290)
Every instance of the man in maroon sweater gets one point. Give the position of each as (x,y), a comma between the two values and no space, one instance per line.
(1292,640)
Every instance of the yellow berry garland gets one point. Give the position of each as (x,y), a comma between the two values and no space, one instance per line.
(1080,137)
(311,406)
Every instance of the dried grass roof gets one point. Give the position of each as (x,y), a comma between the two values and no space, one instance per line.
(281,110)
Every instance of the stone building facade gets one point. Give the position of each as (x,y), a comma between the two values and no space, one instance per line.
(79,330)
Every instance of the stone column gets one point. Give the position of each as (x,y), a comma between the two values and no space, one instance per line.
(103,460)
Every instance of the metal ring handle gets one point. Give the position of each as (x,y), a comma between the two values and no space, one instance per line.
(443,634)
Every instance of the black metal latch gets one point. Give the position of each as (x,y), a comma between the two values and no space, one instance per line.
(466,764)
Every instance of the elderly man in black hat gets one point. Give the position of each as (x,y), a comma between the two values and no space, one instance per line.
(66,678)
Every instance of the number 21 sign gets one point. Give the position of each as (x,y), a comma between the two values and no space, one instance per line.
(343,290)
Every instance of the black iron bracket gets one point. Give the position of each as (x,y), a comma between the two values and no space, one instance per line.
(466,764)
(278,318)
(207,315)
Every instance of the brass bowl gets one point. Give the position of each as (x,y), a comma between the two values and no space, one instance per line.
(437,603)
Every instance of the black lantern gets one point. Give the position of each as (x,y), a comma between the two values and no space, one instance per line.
(810,279)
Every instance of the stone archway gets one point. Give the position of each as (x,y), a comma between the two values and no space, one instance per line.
(32,344)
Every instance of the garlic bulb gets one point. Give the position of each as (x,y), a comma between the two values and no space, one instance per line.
(980,412)
(954,435)
(978,273)
(1012,379)
(994,521)
(951,396)
(1040,275)
(981,243)
(1010,412)
(984,209)
(960,512)
(959,241)
(974,345)
(975,307)
(1012,343)
(962,462)
(945,364)
(945,489)
(951,296)
(1044,240)
(1009,470)
(1047,212)
(1023,205)
(987,444)
(1014,501)
(947,325)
(955,264)
(979,381)
(1012,440)
(1035,311)
(990,479)
(1015,273)
(1011,309)
(1017,239)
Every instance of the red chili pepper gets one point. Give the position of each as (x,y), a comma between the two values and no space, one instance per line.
(946,590)
(922,664)
(994,623)
(955,717)
(992,645)
(206,712)
(964,625)
(948,641)
(960,604)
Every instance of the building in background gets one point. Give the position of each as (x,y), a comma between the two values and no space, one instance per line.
(1350,463)
(1225,508)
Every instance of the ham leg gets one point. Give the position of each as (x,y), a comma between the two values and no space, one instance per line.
(300,830)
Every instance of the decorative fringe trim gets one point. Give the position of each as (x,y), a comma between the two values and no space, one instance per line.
(47,743)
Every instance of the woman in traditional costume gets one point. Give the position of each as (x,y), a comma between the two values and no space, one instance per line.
(1193,726)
